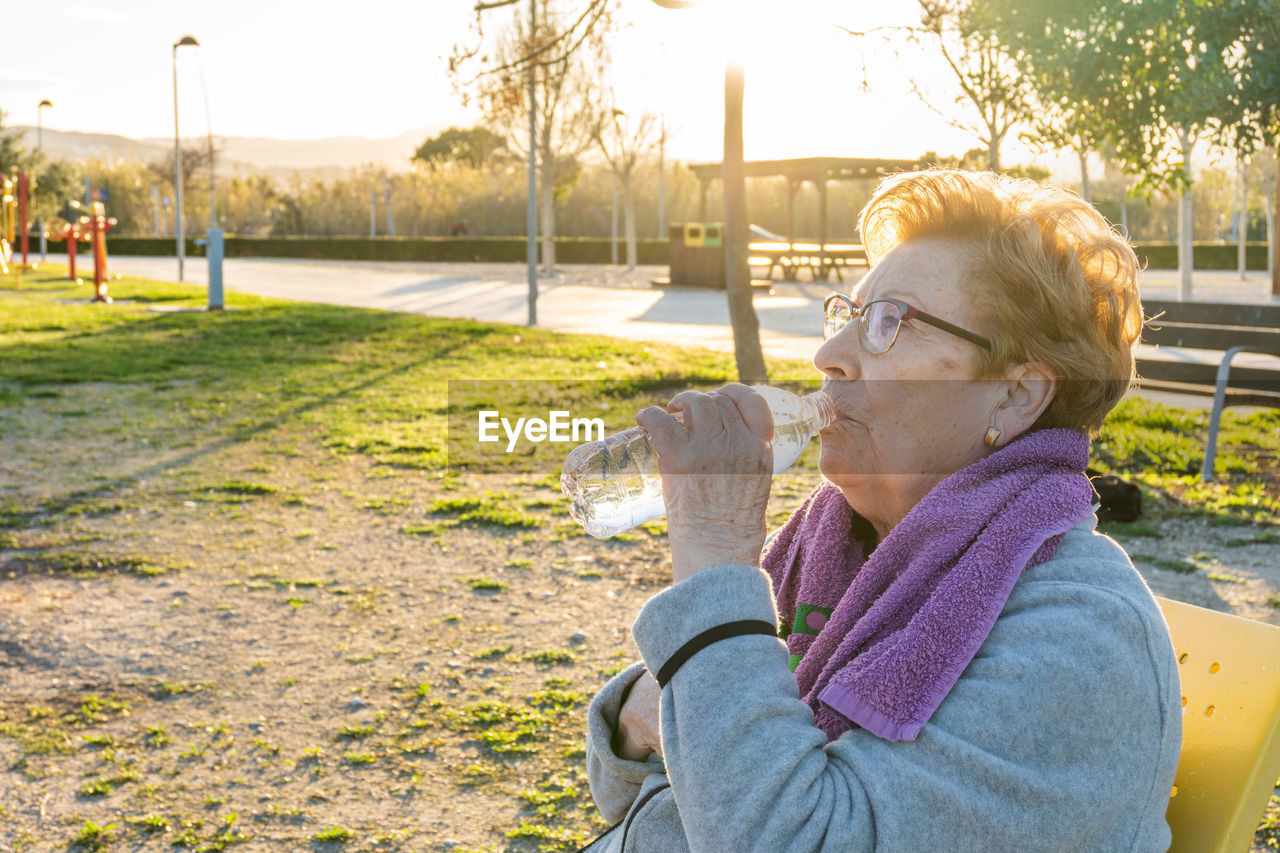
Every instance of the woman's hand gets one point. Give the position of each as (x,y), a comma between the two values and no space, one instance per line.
(636,736)
(716,467)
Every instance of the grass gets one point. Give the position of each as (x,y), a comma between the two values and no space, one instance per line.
(333,833)
(1186,566)
(483,584)
(400,388)
(1161,448)
(243,487)
(362,381)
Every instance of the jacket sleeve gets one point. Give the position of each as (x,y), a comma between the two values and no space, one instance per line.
(1055,738)
(615,782)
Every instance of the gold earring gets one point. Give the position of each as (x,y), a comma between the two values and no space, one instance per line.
(992,436)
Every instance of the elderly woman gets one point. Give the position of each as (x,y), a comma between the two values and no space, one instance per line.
(964,662)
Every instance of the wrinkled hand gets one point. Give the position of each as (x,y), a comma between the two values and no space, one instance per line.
(716,469)
(637,737)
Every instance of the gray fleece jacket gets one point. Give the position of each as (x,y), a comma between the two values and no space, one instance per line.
(1063,733)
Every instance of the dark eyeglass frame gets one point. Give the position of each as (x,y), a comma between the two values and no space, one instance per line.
(907,312)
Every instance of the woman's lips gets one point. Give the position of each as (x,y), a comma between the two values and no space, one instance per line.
(841,418)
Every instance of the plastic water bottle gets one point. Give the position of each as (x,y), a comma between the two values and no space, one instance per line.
(614,483)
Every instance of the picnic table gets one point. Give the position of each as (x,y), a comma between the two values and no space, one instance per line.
(821,260)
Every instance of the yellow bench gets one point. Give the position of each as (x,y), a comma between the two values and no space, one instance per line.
(1230,673)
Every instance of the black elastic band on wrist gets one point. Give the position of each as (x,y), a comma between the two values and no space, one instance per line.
(713,635)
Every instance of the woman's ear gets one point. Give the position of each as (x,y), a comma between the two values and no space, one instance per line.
(1030,389)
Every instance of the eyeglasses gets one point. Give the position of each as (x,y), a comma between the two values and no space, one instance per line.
(881,320)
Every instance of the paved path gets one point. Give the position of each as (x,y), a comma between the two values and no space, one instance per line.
(603,300)
(606,300)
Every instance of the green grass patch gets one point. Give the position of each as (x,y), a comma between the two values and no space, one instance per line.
(359,381)
(94,837)
(551,657)
(1269,537)
(243,487)
(483,584)
(354,732)
(1161,448)
(428,528)
(1184,567)
(333,834)
(493,509)
(1129,528)
(80,565)
(97,788)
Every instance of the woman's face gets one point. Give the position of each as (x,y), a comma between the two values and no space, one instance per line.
(912,416)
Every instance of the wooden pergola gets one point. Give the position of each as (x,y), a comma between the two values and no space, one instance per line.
(816,170)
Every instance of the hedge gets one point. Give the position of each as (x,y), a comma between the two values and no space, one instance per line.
(439,249)
(584,250)
(1207,256)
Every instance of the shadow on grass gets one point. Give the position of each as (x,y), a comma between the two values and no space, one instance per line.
(284,351)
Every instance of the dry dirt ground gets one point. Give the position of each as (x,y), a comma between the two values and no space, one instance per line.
(268,646)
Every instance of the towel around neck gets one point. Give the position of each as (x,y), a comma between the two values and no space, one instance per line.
(878,641)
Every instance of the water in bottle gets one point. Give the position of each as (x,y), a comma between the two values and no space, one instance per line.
(614,483)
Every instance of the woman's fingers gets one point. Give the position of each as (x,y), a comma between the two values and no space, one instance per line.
(638,732)
(698,410)
(730,410)
(752,407)
(667,433)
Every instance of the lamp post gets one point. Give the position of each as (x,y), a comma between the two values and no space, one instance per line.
(46,103)
(742,311)
(613,219)
(177,157)
(40,108)
(662,194)
(531,204)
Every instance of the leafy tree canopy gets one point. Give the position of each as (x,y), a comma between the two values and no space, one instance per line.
(475,147)
(12,151)
(1136,73)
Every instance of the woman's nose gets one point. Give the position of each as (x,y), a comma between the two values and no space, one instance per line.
(837,358)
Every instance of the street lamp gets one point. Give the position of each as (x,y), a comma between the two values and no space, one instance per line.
(40,108)
(177,156)
(613,219)
(742,312)
(40,122)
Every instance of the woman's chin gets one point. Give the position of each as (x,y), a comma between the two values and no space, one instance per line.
(840,466)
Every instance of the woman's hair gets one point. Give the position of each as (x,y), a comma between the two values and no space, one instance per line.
(1057,285)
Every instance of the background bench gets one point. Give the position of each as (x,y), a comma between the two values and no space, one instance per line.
(820,261)
(1190,348)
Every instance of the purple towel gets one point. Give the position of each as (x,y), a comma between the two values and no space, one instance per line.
(878,642)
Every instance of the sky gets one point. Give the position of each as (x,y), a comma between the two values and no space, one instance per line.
(376,69)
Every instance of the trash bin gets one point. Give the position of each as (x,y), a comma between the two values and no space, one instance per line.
(697,254)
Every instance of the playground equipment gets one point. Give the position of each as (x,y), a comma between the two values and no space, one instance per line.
(58,229)
(92,226)
(15,202)
(26,185)
(8,220)
(96,224)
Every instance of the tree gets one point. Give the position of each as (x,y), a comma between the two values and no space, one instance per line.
(251,205)
(476,147)
(12,150)
(562,54)
(623,143)
(196,157)
(1153,72)
(989,82)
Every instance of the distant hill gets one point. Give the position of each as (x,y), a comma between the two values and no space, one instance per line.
(277,157)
